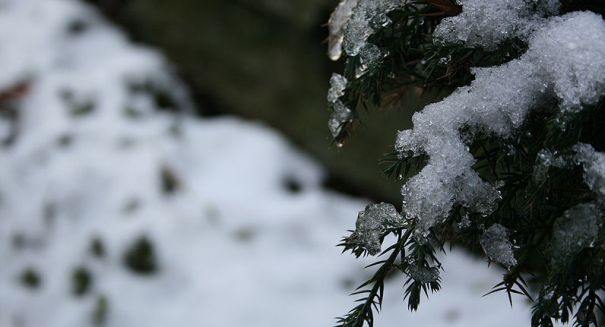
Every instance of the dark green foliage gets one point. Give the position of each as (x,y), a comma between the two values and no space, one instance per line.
(97,248)
(30,278)
(405,254)
(78,107)
(100,311)
(534,196)
(161,96)
(77,27)
(140,257)
(169,181)
(65,140)
(131,206)
(292,185)
(81,281)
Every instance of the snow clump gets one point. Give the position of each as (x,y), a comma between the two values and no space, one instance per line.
(486,24)
(373,223)
(497,247)
(341,114)
(565,62)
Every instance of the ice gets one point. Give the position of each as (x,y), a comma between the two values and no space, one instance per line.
(577,229)
(497,103)
(370,56)
(367,17)
(337,24)
(373,223)
(338,84)
(340,116)
(497,247)
(487,23)
(594,168)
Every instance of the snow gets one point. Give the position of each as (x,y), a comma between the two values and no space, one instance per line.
(373,223)
(565,62)
(594,168)
(497,247)
(232,245)
(577,229)
(487,23)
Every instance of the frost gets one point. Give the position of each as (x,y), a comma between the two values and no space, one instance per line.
(373,223)
(337,24)
(338,84)
(486,23)
(497,103)
(577,229)
(497,247)
(594,168)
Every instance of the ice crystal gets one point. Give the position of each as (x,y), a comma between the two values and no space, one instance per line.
(486,23)
(373,223)
(576,230)
(497,247)
(565,62)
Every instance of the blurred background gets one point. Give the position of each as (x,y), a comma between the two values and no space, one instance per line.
(168,163)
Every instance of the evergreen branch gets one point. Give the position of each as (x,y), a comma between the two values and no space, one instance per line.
(363,313)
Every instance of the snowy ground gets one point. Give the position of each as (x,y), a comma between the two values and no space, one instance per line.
(90,155)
